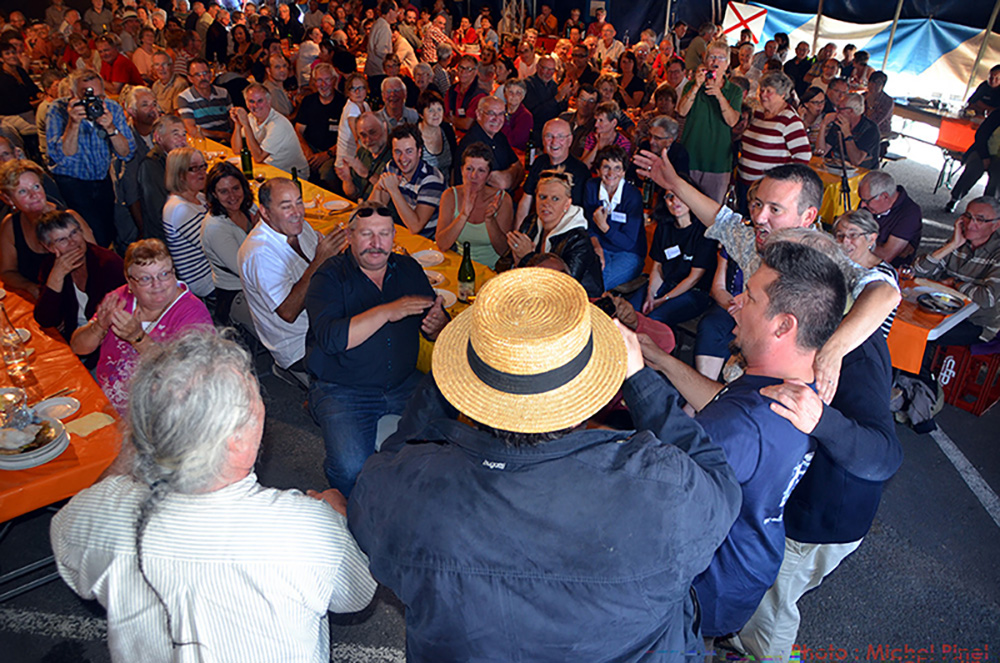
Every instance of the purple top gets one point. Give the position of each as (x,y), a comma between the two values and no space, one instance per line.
(517,128)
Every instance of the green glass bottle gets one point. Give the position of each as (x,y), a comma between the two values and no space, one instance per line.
(466,275)
(246,160)
(295,178)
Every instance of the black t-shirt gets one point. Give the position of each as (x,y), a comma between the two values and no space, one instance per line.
(503,154)
(679,249)
(866,138)
(15,98)
(571,165)
(321,120)
(636,85)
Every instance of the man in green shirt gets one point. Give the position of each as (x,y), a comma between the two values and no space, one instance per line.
(711,106)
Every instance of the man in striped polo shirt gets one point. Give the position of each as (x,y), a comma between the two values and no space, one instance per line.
(410,185)
(204,106)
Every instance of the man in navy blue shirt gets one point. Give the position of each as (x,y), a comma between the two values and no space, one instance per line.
(367,308)
(790,307)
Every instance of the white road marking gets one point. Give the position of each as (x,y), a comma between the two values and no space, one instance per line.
(68,627)
(986,496)
(53,626)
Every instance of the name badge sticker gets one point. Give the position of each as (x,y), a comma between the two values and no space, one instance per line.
(619,217)
(671,252)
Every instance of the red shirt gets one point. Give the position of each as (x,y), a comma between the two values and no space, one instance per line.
(121,71)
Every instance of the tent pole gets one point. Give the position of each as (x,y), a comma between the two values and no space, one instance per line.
(982,48)
(666,26)
(892,33)
(819,16)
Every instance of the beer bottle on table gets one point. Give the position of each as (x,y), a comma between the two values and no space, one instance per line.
(530,150)
(246,160)
(295,178)
(647,193)
(466,275)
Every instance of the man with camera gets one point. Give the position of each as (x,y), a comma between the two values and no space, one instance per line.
(85,132)
(711,106)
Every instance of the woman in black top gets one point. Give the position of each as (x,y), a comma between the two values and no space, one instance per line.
(631,85)
(683,264)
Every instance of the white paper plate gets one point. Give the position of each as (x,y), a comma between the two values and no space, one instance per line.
(336,205)
(310,204)
(449,297)
(60,408)
(235,161)
(24,334)
(436,278)
(3,293)
(428,257)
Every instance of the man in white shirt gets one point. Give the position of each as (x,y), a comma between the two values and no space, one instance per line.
(609,49)
(380,38)
(277,261)
(191,556)
(269,135)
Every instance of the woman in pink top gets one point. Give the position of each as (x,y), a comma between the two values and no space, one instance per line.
(152,307)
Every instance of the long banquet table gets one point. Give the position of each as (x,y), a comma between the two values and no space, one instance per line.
(54,367)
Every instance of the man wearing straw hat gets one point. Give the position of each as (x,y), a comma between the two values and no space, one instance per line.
(524,536)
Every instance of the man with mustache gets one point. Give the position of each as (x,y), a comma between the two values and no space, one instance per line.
(367,308)
(277,260)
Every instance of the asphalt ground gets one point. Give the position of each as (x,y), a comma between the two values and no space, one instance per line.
(922,588)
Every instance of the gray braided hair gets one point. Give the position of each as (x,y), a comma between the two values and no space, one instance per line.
(188,398)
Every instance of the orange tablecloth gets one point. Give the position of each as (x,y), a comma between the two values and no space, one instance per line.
(911,328)
(54,366)
(908,337)
(832,207)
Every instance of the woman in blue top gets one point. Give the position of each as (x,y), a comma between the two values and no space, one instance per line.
(613,208)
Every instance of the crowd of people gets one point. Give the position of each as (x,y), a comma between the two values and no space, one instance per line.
(544,148)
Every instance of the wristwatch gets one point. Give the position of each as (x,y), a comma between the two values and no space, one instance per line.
(113,133)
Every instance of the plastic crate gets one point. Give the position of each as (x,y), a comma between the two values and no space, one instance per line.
(970,382)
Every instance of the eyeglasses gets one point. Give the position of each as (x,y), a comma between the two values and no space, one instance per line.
(556,136)
(146,280)
(466,68)
(978,219)
(841,236)
(62,241)
(493,113)
(717,58)
(867,201)
(198,168)
(357,88)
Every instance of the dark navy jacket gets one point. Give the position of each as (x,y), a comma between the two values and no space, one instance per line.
(628,237)
(578,549)
(856,451)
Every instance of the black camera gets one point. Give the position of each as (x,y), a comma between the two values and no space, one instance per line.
(93,105)
(710,75)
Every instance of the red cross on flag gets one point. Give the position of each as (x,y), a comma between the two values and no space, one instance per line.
(740,16)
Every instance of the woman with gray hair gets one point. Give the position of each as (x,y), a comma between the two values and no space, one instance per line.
(774,136)
(188,553)
(75,276)
(857,234)
(518,123)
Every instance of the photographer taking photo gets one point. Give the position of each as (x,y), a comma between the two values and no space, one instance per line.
(85,131)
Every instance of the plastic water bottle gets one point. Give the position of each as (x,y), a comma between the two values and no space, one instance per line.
(15,357)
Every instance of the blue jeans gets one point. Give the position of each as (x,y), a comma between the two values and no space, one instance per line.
(348,417)
(715,332)
(682,308)
(621,267)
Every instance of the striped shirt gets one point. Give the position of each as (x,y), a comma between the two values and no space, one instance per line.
(182,226)
(977,275)
(211,112)
(247,572)
(424,188)
(770,142)
(92,160)
(888,270)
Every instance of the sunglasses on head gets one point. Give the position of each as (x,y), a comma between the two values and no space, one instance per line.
(371,211)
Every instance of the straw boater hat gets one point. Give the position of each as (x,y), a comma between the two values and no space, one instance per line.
(532,355)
